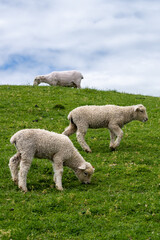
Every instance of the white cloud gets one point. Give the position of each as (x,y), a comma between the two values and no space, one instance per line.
(114,43)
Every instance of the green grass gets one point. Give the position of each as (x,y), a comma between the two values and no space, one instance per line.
(123,200)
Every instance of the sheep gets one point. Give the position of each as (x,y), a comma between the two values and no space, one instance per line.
(56,147)
(108,116)
(64,78)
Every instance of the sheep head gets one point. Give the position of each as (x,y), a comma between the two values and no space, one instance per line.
(140,113)
(36,81)
(84,172)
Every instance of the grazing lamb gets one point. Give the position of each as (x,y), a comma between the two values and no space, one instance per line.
(65,79)
(56,147)
(108,116)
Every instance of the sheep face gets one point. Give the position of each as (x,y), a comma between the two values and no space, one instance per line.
(84,173)
(36,81)
(141,113)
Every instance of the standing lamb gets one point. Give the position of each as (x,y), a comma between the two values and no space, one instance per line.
(56,147)
(64,78)
(108,116)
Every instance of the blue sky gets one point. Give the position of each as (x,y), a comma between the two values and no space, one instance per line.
(115,44)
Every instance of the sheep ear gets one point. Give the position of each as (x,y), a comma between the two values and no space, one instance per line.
(136,108)
(82,167)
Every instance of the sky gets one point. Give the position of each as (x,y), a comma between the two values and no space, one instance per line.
(115,44)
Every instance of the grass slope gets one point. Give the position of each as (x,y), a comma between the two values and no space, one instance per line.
(123,199)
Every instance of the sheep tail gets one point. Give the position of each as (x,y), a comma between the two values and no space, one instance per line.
(70,118)
(13,139)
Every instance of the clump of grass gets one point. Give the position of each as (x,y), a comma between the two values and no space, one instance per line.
(59,106)
(122,201)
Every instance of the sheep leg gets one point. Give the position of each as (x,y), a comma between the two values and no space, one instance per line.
(112,138)
(58,172)
(119,133)
(74,84)
(22,175)
(81,139)
(78,84)
(70,129)
(13,165)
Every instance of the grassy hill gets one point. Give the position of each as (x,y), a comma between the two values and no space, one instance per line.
(123,199)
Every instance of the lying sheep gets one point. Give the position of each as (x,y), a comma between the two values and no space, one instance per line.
(108,116)
(49,145)
(65,79)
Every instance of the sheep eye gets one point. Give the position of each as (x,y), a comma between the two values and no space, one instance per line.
(85,173)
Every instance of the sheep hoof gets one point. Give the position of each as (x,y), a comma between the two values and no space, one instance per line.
(88,150)
(23,189)
(15,181)
(59,188)
(112,148)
